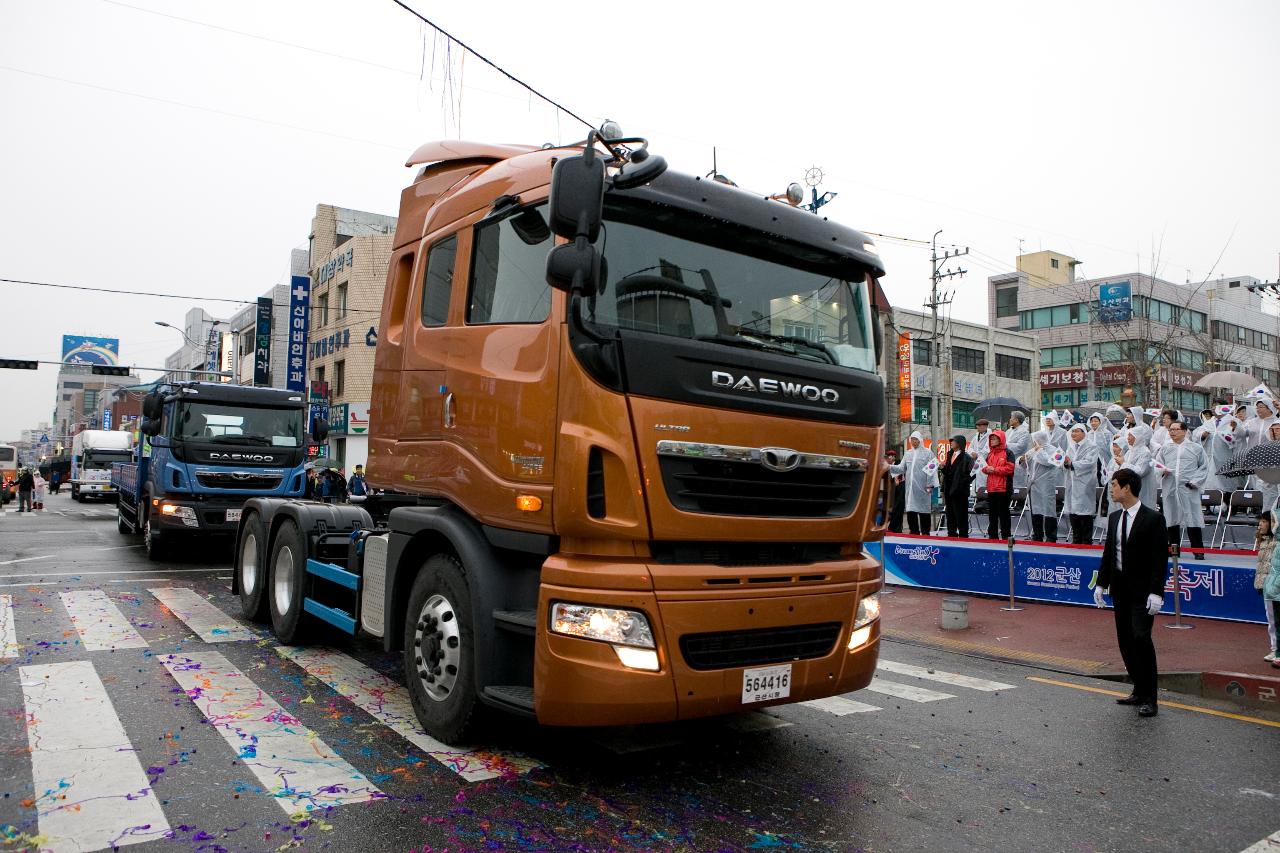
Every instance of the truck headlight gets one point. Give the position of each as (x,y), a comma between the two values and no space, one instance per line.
(627,631)
(868,612)
(186,513)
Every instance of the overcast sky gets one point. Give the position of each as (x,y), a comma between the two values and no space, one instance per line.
(181,147)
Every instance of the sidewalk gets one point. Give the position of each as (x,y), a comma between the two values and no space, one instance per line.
(1071,638)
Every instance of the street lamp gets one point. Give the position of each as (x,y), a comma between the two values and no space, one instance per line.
(185,337)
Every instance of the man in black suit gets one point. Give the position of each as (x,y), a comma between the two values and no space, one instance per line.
(1134,568)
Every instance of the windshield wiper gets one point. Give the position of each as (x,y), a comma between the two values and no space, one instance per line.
(236,439)
(775,343)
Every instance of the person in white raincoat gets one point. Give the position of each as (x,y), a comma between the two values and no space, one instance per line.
(1081,467)
(1115,418)
(1160,433)
(1270,491)
(1043,464)
(1100,433)
(1017,439)
(1259,426)
(1183,468)
(1229,437)
(920,467)
(1113,462)
(1138,459)
(978,448)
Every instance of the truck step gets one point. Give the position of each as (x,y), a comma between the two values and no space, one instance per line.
(517,621)
(511,697)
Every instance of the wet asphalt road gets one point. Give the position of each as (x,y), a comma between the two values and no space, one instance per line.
(921,764)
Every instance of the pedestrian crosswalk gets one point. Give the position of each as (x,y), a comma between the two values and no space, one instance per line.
(91,791)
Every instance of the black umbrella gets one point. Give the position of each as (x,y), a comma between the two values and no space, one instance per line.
(1252,460)
(998,409)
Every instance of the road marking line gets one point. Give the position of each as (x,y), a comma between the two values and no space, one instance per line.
(839,706)
(905,691)
(291,762)
(26,560)
(1270,844)
(1163,703)
(118,547)
(91,791)
(756,721)
(8,629)
(207,621)
(101,624)
(388,702)
(120,572)
(951,678)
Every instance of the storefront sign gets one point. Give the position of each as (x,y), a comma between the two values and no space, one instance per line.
(331,344)
(1077,377)
(342,261)
(262,344)
(358,419)
(338,418)
(906,401)
(299,325)
(1219,587)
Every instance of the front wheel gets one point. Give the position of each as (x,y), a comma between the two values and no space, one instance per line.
(439,651)
(251,568)
(122,523)
(288,585)
(152,542)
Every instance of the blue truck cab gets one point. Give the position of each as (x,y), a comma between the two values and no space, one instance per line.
(204,448)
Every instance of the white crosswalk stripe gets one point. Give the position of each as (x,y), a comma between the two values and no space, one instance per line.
(943,677)
(905,691)
(208,622)
(388,702)
(8,630)
(90,790)
(839,706)
(290,760)
(100,623)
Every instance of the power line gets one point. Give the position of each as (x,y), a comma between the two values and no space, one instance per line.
(490,63)
(187,297)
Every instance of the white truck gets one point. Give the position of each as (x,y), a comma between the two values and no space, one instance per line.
(92,453)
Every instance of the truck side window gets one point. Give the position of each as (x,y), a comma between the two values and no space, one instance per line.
(509,270)
(437,284)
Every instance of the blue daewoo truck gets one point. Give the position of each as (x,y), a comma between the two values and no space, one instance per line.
(204,449)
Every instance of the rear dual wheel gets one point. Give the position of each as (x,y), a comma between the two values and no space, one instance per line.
(251,568)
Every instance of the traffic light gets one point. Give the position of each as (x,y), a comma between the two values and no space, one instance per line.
(110,370)
(18,364)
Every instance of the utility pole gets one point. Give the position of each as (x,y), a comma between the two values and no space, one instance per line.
(937,299)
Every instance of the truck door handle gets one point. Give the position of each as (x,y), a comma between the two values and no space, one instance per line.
(449,418)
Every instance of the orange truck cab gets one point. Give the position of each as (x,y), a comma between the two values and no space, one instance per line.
(628,429)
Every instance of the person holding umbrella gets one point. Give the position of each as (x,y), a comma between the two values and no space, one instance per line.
(999,470)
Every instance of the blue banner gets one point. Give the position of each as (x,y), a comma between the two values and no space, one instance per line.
(79,349)
(299,325)
(1115,302)
(262,343)
(1218,587)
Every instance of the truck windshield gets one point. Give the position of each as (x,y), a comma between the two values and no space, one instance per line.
(733,287)
(238,424)
(99,460)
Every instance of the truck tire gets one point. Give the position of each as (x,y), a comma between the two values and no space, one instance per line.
(439,651)
(251,568)
(288,585)
(75,493)
(152,542)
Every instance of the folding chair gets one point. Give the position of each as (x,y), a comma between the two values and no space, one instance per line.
(1018,502)
(1212,505)
(1245,500)
(979,497)
(1060,503)
(1099,518)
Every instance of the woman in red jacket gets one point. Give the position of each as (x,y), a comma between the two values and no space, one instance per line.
(999,471)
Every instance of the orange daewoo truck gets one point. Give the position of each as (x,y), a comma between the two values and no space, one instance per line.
(626,431)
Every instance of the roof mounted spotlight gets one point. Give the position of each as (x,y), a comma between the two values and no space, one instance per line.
(610,130)
(793,196)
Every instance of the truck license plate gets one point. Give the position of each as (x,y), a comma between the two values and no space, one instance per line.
(233,515)
(766,683)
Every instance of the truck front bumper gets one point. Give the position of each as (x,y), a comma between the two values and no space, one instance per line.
(205,516)
(704,642)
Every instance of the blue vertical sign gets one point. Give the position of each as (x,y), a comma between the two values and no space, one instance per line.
(106,419)
(1115,302)
(299,325)
(262,343)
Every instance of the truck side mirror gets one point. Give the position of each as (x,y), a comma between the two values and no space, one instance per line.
(319,429)
(150,426)
(575,211)
(152,407)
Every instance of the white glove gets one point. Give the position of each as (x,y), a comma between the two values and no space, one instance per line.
(1098,592)
(1154,603)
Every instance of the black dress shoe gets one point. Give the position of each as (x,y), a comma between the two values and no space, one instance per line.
(1148,709)
(1131,699)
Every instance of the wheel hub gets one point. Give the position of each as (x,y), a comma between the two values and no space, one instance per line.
(437,648)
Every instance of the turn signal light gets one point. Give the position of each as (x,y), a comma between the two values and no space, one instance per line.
(528,503)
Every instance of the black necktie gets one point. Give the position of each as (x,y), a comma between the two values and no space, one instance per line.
(1124,532)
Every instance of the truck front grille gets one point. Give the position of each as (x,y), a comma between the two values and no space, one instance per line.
(744,553)
(730,487)
(239,480)
(758,647)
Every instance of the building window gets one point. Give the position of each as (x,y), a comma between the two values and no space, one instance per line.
(968,360)
(320,375)
(340,451)
(509,273)
(920,351)
(962,413)
(1053,262)
(1007,302)
(322,311)
(437,283)
(1013,367)
(341,299)
(922,410)
(800,330)
(339,378)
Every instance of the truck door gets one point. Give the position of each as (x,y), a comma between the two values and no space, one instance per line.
(500,378)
